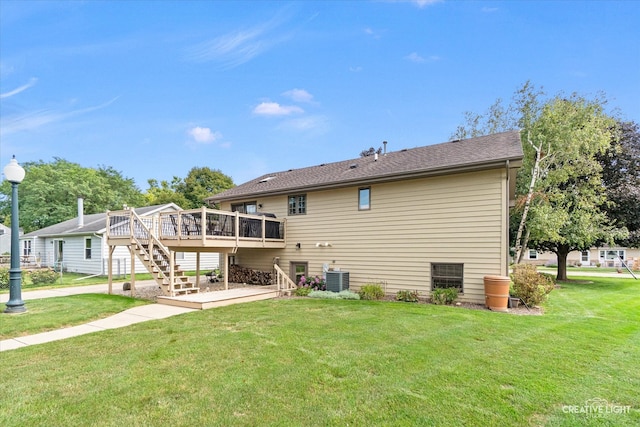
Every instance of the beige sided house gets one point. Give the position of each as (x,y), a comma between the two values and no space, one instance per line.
(414,219)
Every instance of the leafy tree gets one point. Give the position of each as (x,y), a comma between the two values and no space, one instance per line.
(621,179)
(190,192)
(48,195)
(560,198)
(203,182)
(567,213)
(497,118)
(165,192)
(370,152)
(522,113)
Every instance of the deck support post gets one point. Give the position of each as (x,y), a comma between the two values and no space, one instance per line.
(133,272)
(110,268)
(198,269)
(172,268)
(226,270)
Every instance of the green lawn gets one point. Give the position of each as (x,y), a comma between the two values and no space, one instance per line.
(54,313)
(294,362)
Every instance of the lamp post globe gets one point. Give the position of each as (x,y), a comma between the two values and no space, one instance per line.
(14,173)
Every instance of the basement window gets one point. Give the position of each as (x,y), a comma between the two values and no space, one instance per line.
(447,276)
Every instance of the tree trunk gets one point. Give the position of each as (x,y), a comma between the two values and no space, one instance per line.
(525,244)
(527,204)
(562,253)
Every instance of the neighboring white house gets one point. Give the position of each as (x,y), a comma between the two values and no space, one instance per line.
(79,246)
(5,239)
(604,256)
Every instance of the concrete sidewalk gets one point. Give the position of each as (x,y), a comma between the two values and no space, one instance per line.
(128,317)
(76,290)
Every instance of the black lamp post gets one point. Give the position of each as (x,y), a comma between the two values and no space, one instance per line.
(14,173)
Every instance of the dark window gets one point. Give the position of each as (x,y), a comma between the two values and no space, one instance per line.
(447,276)
(364,199)
(298,204)
(87,248)
(26,248)
(246,207)
(298,270)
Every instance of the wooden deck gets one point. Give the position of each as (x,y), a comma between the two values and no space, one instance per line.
(198,230)
(204,300)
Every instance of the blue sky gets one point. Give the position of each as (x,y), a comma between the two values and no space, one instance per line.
(154,88)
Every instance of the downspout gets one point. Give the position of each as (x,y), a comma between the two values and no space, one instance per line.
(102,272)
(506,261)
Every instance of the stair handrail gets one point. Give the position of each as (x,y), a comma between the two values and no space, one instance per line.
(283,281)
(153,241)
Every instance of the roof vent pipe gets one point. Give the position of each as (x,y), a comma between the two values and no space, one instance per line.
(375,157)
(80,212)
(385,147)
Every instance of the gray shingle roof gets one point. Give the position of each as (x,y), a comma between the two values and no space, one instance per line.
(93,223)
(480,152)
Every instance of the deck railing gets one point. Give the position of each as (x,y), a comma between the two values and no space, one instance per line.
(214,224)
(283,282)
(197,224)
(127,223)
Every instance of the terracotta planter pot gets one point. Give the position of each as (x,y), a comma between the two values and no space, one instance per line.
(496,292)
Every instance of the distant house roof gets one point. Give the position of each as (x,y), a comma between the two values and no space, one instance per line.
(93,223)
(469,154)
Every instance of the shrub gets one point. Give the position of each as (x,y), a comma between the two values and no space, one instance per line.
(346,294)
(334,295)
(4,278)
(529,285)
(43,277)
(407,296)
(315,284)
(444,296)
(371,291)
(323,295)
(302,291)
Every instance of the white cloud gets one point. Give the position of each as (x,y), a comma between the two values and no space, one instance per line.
(275,109)
(376,34)
(237,47)
(418,59)
(203,135)
(490,9)
(419,3)
(425,3)
(22,88)
(35,119)
(299,95)
(356,69)
(317,124)
(414,57)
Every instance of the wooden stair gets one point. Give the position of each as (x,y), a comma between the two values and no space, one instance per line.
(157,260)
